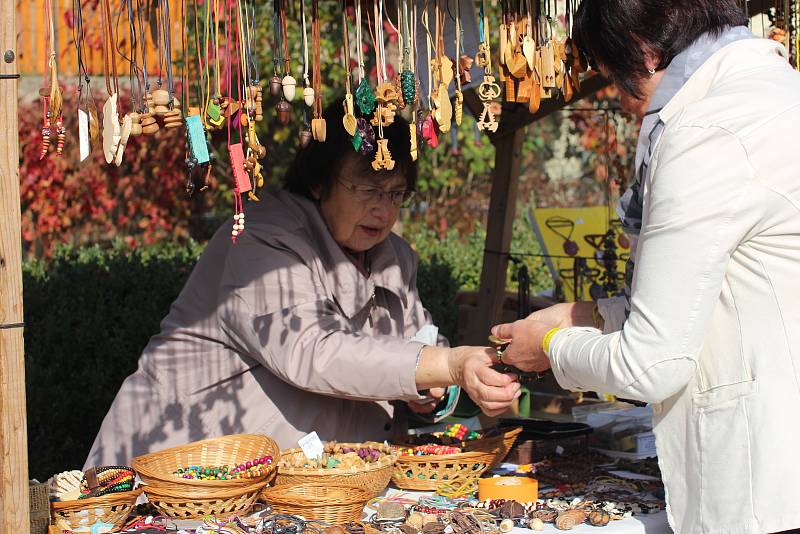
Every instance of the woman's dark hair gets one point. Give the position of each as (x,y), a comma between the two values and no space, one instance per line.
(317,165)
(612,33)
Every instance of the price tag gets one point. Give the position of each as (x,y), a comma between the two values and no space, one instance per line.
(311,445)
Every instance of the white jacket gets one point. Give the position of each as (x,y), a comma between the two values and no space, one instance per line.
(713,335)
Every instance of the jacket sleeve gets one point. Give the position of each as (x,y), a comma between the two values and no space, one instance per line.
(274,310)
(697,210)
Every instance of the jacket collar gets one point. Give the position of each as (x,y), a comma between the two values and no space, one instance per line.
(351,289)
(749,53)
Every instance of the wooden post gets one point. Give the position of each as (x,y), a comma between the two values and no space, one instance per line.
(502,209)
(13,428)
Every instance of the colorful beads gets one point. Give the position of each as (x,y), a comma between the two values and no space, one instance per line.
(457,431)
(428,450)
(250,469)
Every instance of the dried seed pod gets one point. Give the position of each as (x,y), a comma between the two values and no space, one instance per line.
(506,525)
(429,518)
(415,520)
(536,524)
(391,511)
(599,518)
(570,519)
(354,528)
(548,516)
(433,528)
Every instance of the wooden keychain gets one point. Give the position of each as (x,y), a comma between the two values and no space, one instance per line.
(488,90)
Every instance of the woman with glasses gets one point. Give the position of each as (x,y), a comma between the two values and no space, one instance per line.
(305,323)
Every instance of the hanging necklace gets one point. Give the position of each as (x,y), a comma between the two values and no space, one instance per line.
(458,110)
(88,124)
(318,127)
(429,127)
(365,98)
(283,108)
(136,82)
(198,155)
(235,151)
(443,112)
(288,82)
(386,94)
(255,150)
(488,89)
(349,120)
(275,86)
(305,134)
(111,127)
(52,100)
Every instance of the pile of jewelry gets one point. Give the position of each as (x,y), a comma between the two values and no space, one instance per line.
(429,450)
(336,455)
(456,433)
(249,469)
(95,482)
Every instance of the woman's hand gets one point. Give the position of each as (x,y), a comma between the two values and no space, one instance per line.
(566,315)
(471,368)
(525,348)
(432,397)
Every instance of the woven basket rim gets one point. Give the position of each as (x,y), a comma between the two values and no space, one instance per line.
(139,463)
(111,499)
(459,457)
(288,494)
(385,461)
(507,432)
(192,494)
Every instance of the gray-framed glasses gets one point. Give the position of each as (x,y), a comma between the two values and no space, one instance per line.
(372,195)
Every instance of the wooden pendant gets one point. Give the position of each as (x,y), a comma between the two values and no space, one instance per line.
(305,137)
(567,89)
(173,119)
(444,109)
(214,116)
(548,66)
(412,129)
(94,124)
(445,70)
(488,89)
(465,64)
(524,89)
(289,85)
(529,50)
(383,158)
(275,86)
(241,179)
(518,66)
(111,128)
(511,90)
(318,130)
(458,108)
(384,115)
(308,96)
(487,120)
(149,124)
(536,94)
(284,111)
(482,57)
(503,44)
(125,132)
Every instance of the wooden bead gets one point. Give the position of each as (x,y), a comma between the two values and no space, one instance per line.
(160,110)
(160,97)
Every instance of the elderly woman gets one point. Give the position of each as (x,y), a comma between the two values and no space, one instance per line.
(711,334)
(304,324)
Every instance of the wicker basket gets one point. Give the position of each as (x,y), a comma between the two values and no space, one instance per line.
(372,478)
(83,513)
(499,445)
(425,473)
(196,503)
(39,498)
(156,469)
(320,502)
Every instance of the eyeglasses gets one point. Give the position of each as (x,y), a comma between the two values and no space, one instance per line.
(374,195)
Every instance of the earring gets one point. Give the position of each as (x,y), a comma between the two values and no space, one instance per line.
(652,72)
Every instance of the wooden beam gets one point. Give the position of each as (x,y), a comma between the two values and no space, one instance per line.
(13,428)
(502,209)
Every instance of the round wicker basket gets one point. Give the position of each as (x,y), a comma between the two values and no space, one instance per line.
(156,469)
(196,503)
(83,513)
(425,473)
(320,502)
(499,444)
(372,478)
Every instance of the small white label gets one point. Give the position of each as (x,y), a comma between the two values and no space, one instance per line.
(311,445)
(559,450)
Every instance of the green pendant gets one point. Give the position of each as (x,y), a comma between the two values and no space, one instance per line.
(365,98)
(357,141)
(408,86)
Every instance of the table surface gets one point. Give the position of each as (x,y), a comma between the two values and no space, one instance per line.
(639,524)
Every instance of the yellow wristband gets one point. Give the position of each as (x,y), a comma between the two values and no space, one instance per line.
(547,338)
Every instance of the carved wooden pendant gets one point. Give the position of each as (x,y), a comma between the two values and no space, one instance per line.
(487,120)
(383,158)
(318,130)
(84,146)
(458,108)
(125,133)
(349,120)
(412,128)
(444,109)
(112,130)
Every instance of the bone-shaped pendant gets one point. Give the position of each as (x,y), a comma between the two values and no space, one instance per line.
(112,131)
(125,132)
(383,158)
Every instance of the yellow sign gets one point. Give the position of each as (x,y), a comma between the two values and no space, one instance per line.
(575,241)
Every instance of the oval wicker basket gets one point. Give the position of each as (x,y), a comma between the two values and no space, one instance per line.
(196,503)
(156,469)
(320,502)
(83,513)
(372,478)
(500,445)
(426,473)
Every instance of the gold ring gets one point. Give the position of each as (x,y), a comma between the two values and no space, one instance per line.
(499,357)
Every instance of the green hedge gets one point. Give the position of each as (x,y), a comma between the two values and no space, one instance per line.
(89,313)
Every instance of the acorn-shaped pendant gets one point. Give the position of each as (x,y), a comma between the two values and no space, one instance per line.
(305,137)
(275,86)
(289,87)
(308,96)
(284,111)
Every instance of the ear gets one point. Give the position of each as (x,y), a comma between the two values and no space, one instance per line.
(651,60)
